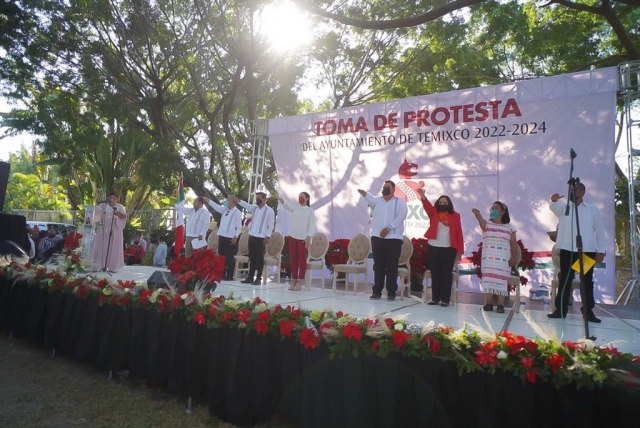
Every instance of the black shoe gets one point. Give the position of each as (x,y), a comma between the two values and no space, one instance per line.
(487,308)
(375,296)
(500,309)
(391,298)
(432,303)
(444,304)
(258,281)
(591,317)
(247,281)
(556,314)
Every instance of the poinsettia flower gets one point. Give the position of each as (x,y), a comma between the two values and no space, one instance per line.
(375,346)
(199,318)
(286,326)
(389,322)
(308,339)
(261,327)
(244,315)
(432,343)
(399,338)
(554,361)
(486,355)
(227,316)
(610,349)
(352,331)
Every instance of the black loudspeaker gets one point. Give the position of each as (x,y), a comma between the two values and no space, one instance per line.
(4,179)
(159,279)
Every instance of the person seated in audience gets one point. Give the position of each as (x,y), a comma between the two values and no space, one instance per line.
(47,242)
(133,254)
(142,242)
(57,248)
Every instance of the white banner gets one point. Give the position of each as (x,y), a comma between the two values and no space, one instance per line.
(507,142)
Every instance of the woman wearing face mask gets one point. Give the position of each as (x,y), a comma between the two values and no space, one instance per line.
(499,252)
(301,229)
(445,246)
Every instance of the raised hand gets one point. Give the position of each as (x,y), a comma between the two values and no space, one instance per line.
(555,197)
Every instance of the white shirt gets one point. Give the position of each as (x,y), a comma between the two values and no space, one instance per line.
(197,221)
(591,227)
(262,221)
(389,214)
(230,221)
(303,221)
(443,239)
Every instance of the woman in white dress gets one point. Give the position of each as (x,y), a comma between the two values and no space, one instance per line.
(499,252)
(301,229)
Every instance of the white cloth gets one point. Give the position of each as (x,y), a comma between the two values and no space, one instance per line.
(496,252)
(230,221)
(196,244)
(591,227)
(389,214)
(197,221)
(303,221)
(262,220)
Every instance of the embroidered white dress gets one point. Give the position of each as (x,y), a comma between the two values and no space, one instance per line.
(496,252)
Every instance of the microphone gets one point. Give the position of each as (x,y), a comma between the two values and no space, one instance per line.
(573,154)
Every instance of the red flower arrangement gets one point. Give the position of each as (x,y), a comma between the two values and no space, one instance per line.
(419,260)
(532,360)
(71,253)
(203,266)
(337,254)
(526,263)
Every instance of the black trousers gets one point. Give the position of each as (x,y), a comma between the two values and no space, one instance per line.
(256,256)
(441,260)
(386,253)
(228,250)
(567,258)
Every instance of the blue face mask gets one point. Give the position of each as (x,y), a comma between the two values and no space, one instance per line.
(225,203)
(494,214)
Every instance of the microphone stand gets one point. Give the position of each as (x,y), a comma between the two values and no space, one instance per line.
(573,182)
(113,217)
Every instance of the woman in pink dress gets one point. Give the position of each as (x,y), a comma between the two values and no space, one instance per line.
(109,219)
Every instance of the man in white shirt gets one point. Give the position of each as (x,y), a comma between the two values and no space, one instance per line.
(389,213)
(260,229)
(198,219)
(228,233)
(592,233)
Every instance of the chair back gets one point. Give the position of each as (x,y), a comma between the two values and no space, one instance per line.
(518,255)
(359,248)
(275,245)
(319,246)
(213,240)
(406,252)
(243,244)
(555,257)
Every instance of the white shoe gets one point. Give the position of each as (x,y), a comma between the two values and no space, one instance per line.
(292,286)
(297,286)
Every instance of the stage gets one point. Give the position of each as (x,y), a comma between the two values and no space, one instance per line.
(620,325)
(270,362)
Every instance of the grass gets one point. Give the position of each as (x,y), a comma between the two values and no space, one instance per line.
(37,390)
